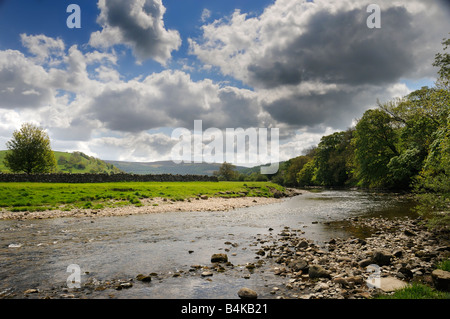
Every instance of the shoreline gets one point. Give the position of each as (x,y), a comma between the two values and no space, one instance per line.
(151,206)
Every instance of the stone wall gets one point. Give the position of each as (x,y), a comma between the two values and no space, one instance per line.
(102,178)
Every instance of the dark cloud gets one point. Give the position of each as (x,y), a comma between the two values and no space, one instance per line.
(336,109)
(340,48)
(138,24)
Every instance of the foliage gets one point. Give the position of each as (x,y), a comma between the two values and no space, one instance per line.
(30,151)
(375,140)
(333,159)
(227,172)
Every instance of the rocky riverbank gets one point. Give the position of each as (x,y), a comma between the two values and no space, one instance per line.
(396,253)
(220,202)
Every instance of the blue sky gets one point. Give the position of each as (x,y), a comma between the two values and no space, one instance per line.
(138,69)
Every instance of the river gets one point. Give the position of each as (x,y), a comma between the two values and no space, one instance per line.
(36,253)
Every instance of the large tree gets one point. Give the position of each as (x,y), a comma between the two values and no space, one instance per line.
(30,151)
(226,172)
(375,145)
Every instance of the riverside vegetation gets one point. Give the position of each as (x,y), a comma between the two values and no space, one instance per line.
(35,197)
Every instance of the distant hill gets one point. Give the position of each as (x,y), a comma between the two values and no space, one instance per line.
(169,167)
(76,163)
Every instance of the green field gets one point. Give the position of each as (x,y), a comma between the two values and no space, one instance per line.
(42,196)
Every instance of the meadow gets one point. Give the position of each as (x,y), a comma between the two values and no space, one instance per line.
(33,197)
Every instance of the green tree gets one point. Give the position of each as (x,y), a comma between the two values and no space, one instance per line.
(306,174)
(30,151)
(375,145)
(227,172)
(333,159)
(442,61)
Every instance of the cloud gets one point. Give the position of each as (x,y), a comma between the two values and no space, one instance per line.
(22,82)
(317,63)
(206,14)
(45,49)
(173,99)
(138,24)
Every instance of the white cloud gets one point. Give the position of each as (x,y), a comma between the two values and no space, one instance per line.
(206,14)
(45,49)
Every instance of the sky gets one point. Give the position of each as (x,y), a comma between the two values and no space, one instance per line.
(136,70)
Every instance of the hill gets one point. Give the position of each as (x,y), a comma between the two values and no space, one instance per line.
(76,163)
(169,167)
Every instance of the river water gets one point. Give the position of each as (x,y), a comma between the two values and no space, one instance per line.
(36,253)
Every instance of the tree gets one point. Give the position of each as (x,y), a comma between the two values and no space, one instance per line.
(375,145)
(226,172)
(442,61)
(30,151)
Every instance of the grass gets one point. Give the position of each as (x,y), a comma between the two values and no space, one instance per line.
(46,196)
(417,291)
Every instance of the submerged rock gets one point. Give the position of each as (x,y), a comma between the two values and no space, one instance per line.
(219,258)
(247,293)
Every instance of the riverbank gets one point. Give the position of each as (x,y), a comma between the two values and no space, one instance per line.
(398,252)
(21,201)
(156,205)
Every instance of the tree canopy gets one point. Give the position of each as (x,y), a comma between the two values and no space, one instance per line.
(30,151)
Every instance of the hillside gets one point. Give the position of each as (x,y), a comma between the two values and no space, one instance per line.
(169,167)
(76,163)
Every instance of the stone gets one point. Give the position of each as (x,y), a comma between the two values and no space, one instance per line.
(409,233)
(366,262)
(31,291)
(441,279)
(381,258)
(389,284)
(126,285)
(206,274)
(247,293)
(144,278)
(219,258)
(298,264)
(303,244)
(316,271)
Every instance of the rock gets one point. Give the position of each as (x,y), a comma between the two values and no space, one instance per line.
(261,252)
(409,233)
(206,274)
(303,244)
(316,271)
(382,258)
(219,258)
(204,197)
(31,291)
(388,284)
(298,265)
(441,279)
(144,278)
(246,293)
(126,285)
(406,272)
(366,262)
